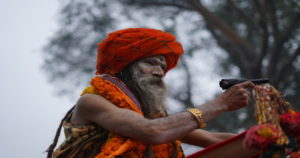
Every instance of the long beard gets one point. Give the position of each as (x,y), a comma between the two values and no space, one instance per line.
(149,90)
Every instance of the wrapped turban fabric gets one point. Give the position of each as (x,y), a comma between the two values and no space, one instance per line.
(123,47)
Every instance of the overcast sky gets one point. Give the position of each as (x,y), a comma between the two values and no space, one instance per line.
(30,111)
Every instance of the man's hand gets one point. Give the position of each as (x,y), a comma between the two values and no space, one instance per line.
(235,97)
(232,99)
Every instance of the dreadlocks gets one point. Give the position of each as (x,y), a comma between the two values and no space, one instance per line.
(54,143)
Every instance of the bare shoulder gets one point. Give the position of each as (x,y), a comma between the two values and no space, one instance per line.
(88,106)
(90,102)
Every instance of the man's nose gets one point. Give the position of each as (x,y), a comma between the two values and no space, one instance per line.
(159,72)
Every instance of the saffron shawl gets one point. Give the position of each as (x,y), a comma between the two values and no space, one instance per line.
(117,145)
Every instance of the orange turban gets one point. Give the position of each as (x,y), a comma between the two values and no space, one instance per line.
(123,47)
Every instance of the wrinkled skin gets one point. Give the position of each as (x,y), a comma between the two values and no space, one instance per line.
(182,125)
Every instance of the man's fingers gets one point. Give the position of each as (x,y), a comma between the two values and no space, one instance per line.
(248,93)
(247,84)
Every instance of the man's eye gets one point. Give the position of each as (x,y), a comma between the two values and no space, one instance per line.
(150,62)
(164,67)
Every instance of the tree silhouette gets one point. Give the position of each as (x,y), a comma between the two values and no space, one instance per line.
(250,39)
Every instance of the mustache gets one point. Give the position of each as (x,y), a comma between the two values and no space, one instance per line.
(153,81)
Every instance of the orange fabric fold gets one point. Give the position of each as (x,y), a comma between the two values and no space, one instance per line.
(117,145)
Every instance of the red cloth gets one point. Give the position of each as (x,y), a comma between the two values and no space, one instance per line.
(290,122)
(255,140)
(219,145)
(123,47)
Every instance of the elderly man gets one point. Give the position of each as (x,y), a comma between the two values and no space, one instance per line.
(122,113)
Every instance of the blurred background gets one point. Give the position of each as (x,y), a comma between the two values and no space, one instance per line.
(48,50)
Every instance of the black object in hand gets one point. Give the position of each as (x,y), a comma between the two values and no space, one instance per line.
(227,83)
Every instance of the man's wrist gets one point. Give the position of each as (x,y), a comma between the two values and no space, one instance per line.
(219,105)
(211,109)
(198,116)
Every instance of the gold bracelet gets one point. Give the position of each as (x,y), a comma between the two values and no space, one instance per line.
(198,115)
